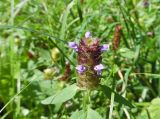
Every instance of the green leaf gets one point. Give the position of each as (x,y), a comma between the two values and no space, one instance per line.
(127,53)
(93,114)
(78,115)
(151,111)
(49,87)
(62,96)
(64,19)
(118,98)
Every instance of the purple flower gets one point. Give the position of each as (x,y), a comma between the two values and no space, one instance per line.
(105,47)
(88,34)
(80,69)
(73,45)
(99,68)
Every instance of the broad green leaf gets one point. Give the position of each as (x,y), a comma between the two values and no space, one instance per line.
(44,57)
(48,100)
(118,98)
(49,87)
(152,111)
(127,53)
(91,114)
(62,96)
(78,115)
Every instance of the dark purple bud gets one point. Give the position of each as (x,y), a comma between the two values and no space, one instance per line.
(88,34)
(99,68)
(146,3)
(104,47)
(150,34)
(80,69)
(73,45)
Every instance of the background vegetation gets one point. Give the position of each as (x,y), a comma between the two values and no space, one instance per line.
(34,37)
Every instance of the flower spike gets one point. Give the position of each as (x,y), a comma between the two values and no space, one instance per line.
(89,68)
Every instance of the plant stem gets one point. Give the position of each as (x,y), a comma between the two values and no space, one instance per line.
(86,99)
(18,102)
(112,94)
(159,88)
(11,52)
(111,106)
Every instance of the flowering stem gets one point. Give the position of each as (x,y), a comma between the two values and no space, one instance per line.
(112,96)
(86,99)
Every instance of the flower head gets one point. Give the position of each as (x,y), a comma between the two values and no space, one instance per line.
(105,47)
(89,59)
(80,69)
(117,37)
(99,68)
(73,45)
(88,34)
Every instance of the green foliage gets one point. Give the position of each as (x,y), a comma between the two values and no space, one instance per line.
(34,36)
(78,115)
(62,96)
(152,111)
(91,114)
(118,98)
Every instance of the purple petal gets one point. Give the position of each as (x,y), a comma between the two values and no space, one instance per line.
(99,68)
(88,34)
(73,45)
(105,47)
(80,68)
